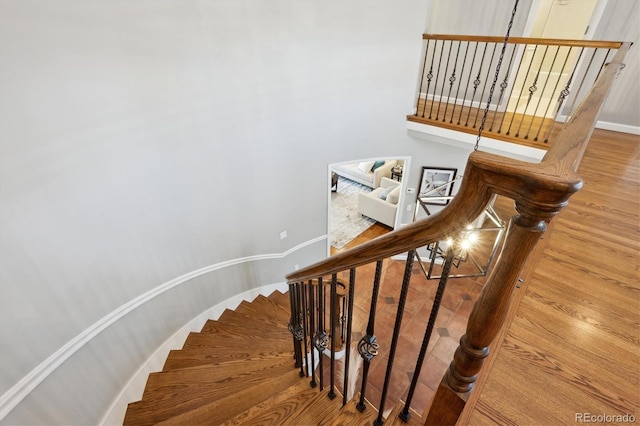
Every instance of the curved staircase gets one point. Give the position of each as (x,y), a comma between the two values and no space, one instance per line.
(240,369)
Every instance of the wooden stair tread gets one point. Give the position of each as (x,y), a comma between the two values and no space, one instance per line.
(394,420)
(350,415)
(280,298)
(187,358)
(266,315)
(219,410)
(206,340)
(316,411)
(278,408)
(281,309)
(190,389)
(253,330)
(248,318)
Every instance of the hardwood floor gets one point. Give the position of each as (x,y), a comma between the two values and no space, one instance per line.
(573,346)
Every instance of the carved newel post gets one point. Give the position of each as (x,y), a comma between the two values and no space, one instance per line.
(487,317)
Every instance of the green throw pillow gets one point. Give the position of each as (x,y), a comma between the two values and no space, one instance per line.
(377,164)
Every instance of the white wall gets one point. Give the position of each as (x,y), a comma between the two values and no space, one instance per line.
(619,22)
(141,141)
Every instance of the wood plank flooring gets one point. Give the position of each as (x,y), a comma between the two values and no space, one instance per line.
(574,344)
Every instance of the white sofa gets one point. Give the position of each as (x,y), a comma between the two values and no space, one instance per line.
(361,172)
(381,204)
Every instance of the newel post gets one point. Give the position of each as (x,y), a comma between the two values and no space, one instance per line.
(487,317)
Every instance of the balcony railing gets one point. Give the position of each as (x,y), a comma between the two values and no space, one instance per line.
(539,85)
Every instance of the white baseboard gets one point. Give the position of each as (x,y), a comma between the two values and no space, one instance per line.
(608,125)
(134,389)
(616,127)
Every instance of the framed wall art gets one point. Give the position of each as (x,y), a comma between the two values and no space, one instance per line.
(436,185)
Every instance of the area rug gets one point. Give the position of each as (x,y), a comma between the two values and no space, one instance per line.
(345,223)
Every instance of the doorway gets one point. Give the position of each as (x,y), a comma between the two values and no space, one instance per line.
(555,19)
(364,200)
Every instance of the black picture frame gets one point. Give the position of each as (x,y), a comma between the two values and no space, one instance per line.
(436,185)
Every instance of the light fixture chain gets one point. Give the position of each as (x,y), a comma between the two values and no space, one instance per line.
(495,77)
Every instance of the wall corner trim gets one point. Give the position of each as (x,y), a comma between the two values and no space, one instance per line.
(11,398)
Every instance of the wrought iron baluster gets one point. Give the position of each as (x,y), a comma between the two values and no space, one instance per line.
(464,98)
(292,325)
(347,355)
(563,95)
(429,77)
(546,111)
(368,346)
(514,82)
(312,327)
(435,88)
(444,76)
(333,298)
(486,80)
(532,89)
(524,82)
(577,92)
(503,86)
(424,68)
(298,330)
(452,80)
(437,300)
(396,333)
(544,86)
(303,297)
(455,100)
(321,341)
(476,83)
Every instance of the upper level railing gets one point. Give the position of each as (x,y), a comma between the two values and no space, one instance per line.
(540,192)
(538,87)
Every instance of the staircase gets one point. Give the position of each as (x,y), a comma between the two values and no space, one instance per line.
(240,369)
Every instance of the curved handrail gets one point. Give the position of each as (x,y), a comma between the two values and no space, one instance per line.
(540,190)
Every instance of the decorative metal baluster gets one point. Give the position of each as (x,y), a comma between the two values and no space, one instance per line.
(455,100)
(429,77)
(524,82)
(299,331)
(424,66)
(293,321)
(396,333)
(604,61)
(486,80)
(476,83)
(303,297)
(347,354)
(321,341)
(464,98)
(503,86)
(452,80)
(546,111)
(333,298)
(514,82)
(563,95)
(577,92)
(368,347)
(437,300)
(532,89)
(544,86)
(446,70)
(312,327)
(435,88)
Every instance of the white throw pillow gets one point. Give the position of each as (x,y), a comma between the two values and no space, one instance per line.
(394,195)
(365,167)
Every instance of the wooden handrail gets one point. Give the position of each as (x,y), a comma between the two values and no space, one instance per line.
(543,188)
(526,40)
